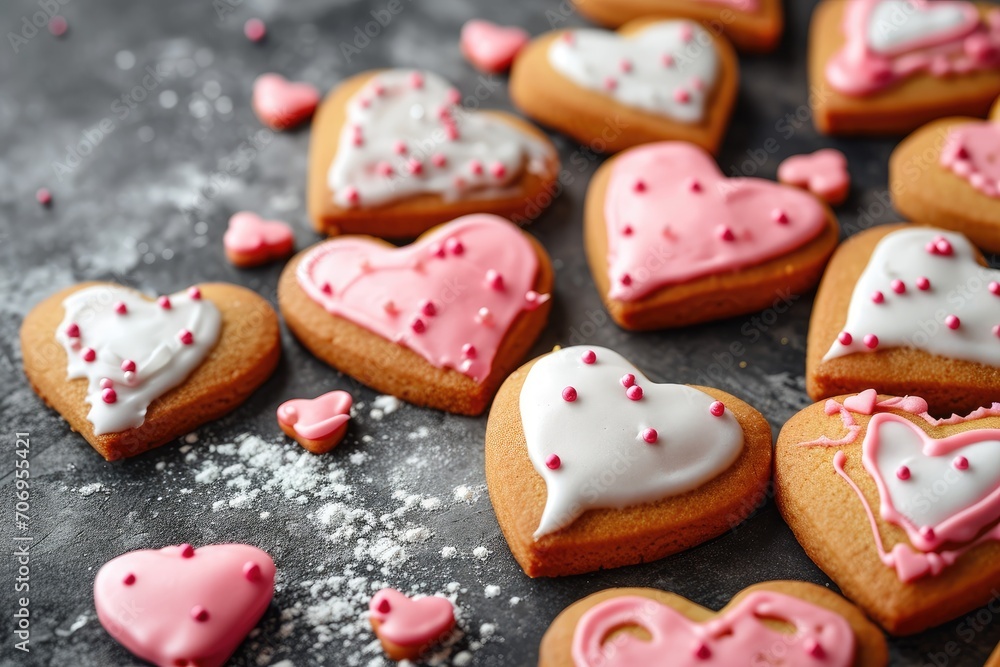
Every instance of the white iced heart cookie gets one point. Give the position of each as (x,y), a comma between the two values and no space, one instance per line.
(668,68)
(901,25)
(602,435)
(131,350)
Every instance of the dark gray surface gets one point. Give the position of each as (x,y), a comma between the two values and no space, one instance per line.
(129,212)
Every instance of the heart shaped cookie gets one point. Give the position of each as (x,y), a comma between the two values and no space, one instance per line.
(946,174)
(914,538)
(282,104)
(492,48)
(823,173)
(149,370)
(773,623)
(907,310)
(671,241)
(650,81)
(252,241)
(318,424)
(590,465)
(184,606)
(407,627)
(394,152)
(439,323)
(889,66)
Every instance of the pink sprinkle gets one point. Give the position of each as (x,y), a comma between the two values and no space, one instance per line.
(498,170)
(568,37)
(845,338)
(359,139)
(625,65)
(640,186)
(686,32)
(469,351)
(199,613)
(453,96)
(898,286)
(697,83)
(903,473)
(779,216)
(418,325)
(650,435)
(952,322)
(194,293)
(942,246)
(439,160)
(878,297)
(383,606)
(121,308)
(164,302)
(73,330)
(399,147)
(383,169)
(389,307)
(717,408)
(185,337)
(429,309)
(569,394)
(255,30)
(107,383)
(814,648)
(451,131)
(994,287)
(187,551)
(109,396)
(610,83)
(89,354)
(702,652)
(634,392)
(553,462)
(996,330)
(251,571)
(494,280)
(476,167)
(351,194)
(627,380)
(58,26)
(326,288)
(960,463)
(130,378)
(725,233)
(694,185)
(414,166)
(627,230)
(417,80)
(626,279)
(682,96)
(129,579)
(923,284)
(454,246)
(128,365)
(667,60)
(533,299)
(928,533)
(871,341)
(43,196)
(588,357)
(485,317)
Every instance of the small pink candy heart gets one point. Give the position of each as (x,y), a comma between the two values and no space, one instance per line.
(316,418)
(281,104)
(823,173)
(411,623)
(863,403)
(491,47)
(251,240)
(184,606)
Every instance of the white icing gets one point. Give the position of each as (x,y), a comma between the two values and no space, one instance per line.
(935,491)
(605,463)
(916,319)
(146,334)
(894,25)
(590,58)
(403,111)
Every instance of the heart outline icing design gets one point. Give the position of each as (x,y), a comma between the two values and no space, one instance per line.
(971,151)
(669,68)
(132,350)
(406,133)
(663,440)
(734,636)
(451,296)
(716,224)
(887,41)
(905,297)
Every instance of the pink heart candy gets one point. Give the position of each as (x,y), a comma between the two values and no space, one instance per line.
(411,623)
(251,240)
(823,173)
(316,418)
(184,606)
(281,104)
(863,403)
(491,47)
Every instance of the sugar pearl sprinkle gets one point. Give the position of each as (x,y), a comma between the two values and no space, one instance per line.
(589,357)
(634,393)
(960,463)
(569,394)
(553,462)
(650,435)
(717,408)
(903,473)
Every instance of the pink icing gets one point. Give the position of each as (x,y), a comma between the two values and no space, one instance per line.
(491,47)
(972,152)
(249,234)
(824,173)
(282,104)
(687,220)
(386,289)
(408,622)
(735,637)
(178,606)
(742,5)
(859,69)
(316,418)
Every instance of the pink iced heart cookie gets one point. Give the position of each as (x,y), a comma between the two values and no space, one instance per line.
(491,47)
(318,424)
(282,104)
(773,623)
(252,241)
(448,315)
(667,233)
(408,626)
(184,606)
(823,173)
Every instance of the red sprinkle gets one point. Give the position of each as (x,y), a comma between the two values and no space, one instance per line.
(251,571)
(476,167)
(702,652)
(186,337)
(107,383)
(634,392)
(640,186)
(199,613)
(898,286)
(878,297)
(494,279)
(553,462)
(43,196)
(89,354)
(871,341)
(779,216)
(164,302)
(923,284)
(429,309)
(454,246)
(352,194)
(469,351)
(682,96)
(187,551)
(961,463)
(814,648)
(128,365)
(129,579)
(628,380)
(717,408)
(725,233)
(383,606)
(928,533)
(121,308)
(650,435)
(73,330)
(903,473)
(589,357)
(995,287)
(255,30)
(109,396)
(569,394)
(952,322)
(58,26)
(498,170)
(845,338)
(418,325)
